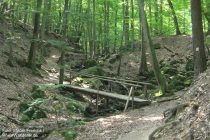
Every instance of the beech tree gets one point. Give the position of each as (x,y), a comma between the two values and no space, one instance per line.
(197,38)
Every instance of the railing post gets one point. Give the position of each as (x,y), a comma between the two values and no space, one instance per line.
(145,92)
(126,105)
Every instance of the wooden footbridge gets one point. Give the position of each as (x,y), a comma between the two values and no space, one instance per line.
(128,98)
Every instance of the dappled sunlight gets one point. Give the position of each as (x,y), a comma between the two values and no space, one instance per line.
(106,122)
(151,118)
(55,56)
(133,64)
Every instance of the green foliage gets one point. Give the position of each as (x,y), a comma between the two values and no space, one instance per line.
(38,92)
(90,82)
(74,122)
(189,66)
(157,46)
(74,106)
(70,134)
(90,63)
(31,110)
(94,83)
(24,118)
(177,79)
(96,70)
(60,45)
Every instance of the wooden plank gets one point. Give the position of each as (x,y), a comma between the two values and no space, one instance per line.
(107,94)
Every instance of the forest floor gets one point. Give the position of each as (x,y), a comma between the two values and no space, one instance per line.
(135,124)
(17,81)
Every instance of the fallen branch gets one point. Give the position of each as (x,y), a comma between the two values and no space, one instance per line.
(169,49)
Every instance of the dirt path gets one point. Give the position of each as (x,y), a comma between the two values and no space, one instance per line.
(133,125)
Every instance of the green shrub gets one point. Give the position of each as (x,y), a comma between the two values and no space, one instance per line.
(74,107)
(70,135)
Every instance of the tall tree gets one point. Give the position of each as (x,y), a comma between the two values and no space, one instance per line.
(207,15)
(160,79)
(126,22)
(65,25)
(176,24)
(132,23)
(32,51)
(143,61)
(198,38)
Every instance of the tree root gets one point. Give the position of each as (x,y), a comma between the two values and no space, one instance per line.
(165,99)
(172,112)
(151,136)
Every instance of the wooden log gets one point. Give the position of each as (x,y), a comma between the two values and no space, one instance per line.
(116,79)
(106,94)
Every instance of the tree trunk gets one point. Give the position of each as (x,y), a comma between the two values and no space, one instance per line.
(126,23)
(115,27)
(156,18)
(25,12)
(65,26)
(161,17)
(198,38)
(207,16)
(143,63)
(176,24)
(132,24)
(48,19)
(32,51)
(160,79)
(94,28)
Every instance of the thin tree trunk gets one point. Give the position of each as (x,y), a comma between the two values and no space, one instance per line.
(65,26)
(160,79)
(161,17)
(48,19)
(176,24)
(207,16)
(126,23)
(94,28)
(115,27)
(25,12)
(132,24)
(156,18)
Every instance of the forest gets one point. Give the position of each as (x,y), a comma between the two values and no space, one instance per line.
(104,69)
